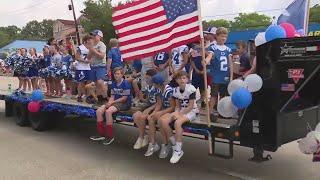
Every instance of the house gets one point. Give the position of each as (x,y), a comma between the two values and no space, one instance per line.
(16,44)
(66,28)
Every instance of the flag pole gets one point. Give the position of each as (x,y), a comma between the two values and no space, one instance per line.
(307,18)
(203,62)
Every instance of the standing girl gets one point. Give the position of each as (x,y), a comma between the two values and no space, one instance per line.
(66,62)
(33,69)
(56,63)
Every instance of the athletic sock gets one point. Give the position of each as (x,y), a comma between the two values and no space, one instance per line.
(172,140)
(178,146)
(101,128)
(109,132)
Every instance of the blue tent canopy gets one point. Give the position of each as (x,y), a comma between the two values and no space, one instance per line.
(38,45)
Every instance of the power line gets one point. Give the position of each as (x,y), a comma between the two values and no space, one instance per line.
(232,14)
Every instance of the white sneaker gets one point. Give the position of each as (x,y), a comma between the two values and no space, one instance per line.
(145,141)
(164,151)
(176,156)
(138,144)
(152,148)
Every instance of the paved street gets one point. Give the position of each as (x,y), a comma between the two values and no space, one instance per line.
(66,153)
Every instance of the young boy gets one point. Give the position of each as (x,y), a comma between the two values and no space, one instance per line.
(220,57)
(114,56)
(120,100)
(185,111)
(161,61)
(148,108)
(83,65)
(168,106)
(179,59)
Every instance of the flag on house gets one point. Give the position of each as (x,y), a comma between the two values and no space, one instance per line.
(145,27)
(296,14)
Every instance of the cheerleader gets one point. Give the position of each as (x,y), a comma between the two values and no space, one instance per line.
(23,65)
(66,63)
(56,66)
(33,69)
(44,64)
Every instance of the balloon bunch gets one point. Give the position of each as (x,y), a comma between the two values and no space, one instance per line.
(241,96)
(311,144)
(34,105)
(284,30)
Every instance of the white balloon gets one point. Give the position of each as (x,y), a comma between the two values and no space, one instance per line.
(226,108)
(254,82)
(309,144)
(317,132)
(260,39)
(236,84)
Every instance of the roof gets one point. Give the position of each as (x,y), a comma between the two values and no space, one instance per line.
(66,22)
(38,45)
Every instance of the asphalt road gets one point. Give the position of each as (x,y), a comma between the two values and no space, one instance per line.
(66,153)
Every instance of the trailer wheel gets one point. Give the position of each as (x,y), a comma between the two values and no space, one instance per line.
(8,108)
(44,121)
(38,121)
(21,114)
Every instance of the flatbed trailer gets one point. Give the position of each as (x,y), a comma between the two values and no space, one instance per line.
(284,110)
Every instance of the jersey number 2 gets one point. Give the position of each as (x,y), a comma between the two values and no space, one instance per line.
(223,63)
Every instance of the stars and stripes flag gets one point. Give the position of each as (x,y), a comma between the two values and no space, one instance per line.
(297,14)
(145,27)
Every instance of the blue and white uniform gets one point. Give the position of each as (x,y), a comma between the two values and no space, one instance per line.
(152,94)
(120,90)
(184,97)
(162,58)
(177,58)
(166,96)
(82,69)
(220,67)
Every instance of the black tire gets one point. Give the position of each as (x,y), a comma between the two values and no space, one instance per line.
(44,121)
(20,112)
(8,108)
(38,121)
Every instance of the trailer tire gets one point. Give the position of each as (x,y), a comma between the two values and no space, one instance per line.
(21,114)
(39,122)
(44,121)
(8,108)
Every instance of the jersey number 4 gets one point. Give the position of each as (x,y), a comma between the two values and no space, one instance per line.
(223,63)
(176,58)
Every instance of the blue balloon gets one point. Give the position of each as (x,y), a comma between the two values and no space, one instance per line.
(241,98)
(275,32)
(37,95)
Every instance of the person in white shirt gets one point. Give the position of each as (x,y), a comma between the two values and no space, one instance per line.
(83,65)
(180,57)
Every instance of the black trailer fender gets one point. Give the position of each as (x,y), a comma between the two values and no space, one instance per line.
(8,108)
(43,121)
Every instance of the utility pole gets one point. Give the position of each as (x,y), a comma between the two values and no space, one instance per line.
(75,23)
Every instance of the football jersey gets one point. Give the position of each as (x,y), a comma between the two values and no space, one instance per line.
(83,51)
(152,94)
(184,97)
(166,96)
(120,90)
(177,58)
(161,58)
(220,63)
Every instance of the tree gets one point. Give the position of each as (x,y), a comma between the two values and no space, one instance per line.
(219,23)
(315,14)
(12,31)
(250,21)
(98,15)
(4,38)
(35,30)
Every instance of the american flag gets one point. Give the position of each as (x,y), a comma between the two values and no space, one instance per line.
(145,27)
(288,87)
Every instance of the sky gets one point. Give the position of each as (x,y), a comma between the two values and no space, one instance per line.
(19,12)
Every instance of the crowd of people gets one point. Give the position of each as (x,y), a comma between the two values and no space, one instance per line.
(164,86)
